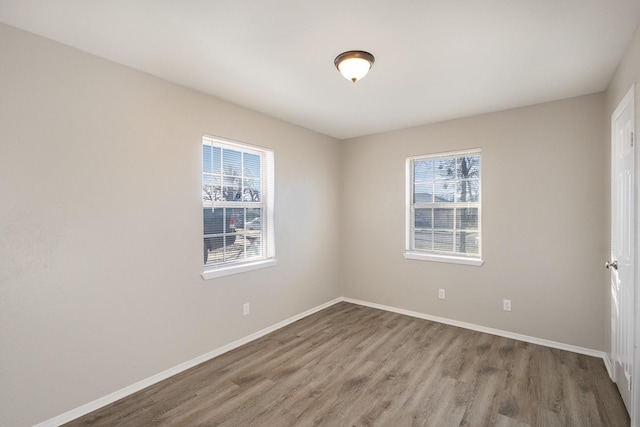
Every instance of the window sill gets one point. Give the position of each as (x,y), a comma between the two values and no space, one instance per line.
(235,269)
(443,258)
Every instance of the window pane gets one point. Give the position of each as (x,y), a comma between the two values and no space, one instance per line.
(423,240)
(251,192)
(423,218)
(217,187)
(232,190)
(207,187)
(210,187)
(443,241)
(467,218)
(207,159)
(219,233)
(423,170)
(253,220)
(217,160)
(468,166)
(445,168)
(468,190)
(251,245)
(232,162)
(251,166)
(253,233)
(232,234)
(211,159)
(423,193)
(444,191)
(443,218)
(212,224)
(235,219)
(467,242)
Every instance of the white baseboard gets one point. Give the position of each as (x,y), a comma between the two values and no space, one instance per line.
(473,327)
(112,397)
(608,365)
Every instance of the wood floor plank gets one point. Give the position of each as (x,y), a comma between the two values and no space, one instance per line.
(521,396)
(350,365)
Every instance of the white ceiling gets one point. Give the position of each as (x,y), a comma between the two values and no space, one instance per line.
(435,59)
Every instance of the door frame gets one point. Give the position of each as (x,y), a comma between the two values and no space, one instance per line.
(634,410)
(635,379)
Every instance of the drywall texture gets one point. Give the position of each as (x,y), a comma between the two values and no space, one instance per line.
(627,73)
(100,227)
(542,222)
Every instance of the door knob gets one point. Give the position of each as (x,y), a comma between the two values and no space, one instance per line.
(611,264)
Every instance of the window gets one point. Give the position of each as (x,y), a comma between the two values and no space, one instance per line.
(443,207)
(237,207)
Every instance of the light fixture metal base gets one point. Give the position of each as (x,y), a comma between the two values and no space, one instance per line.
(358,55)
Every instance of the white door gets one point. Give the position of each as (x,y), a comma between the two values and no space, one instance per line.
(622,262)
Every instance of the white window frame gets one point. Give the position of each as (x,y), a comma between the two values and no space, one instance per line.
(410,206)
(266,204)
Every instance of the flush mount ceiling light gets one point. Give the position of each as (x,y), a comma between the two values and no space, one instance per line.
(354,64)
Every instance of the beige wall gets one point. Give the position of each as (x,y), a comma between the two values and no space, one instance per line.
(100,227)
(627,73)
(542,219)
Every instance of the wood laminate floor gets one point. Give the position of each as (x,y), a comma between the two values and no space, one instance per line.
(350,365)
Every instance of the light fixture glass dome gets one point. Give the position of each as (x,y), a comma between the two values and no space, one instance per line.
(354,64)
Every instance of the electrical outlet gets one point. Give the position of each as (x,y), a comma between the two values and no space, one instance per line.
(246,309)
(441,293)
(506,304)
